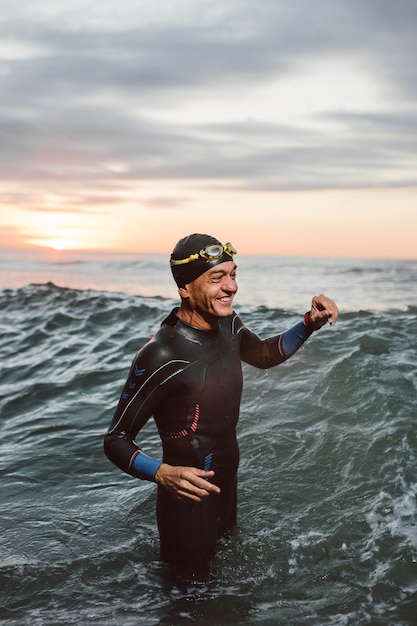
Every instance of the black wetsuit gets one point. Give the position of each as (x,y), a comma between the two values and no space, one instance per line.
(190,381)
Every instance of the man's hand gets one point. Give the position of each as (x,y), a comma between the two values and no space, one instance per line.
(186,482)
(323,310)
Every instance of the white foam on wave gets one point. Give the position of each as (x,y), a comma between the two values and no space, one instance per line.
(396,513)
(305,541)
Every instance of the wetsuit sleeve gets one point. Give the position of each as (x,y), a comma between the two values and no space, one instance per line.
(265,353)
(145,388)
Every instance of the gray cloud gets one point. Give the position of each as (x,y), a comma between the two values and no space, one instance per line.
(77,100)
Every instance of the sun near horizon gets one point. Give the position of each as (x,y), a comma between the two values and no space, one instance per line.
(60,245)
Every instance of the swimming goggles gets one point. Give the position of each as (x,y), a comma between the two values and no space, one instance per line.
(211,252)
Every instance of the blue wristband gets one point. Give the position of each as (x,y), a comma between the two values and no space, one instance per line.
(144,466)
(294,337)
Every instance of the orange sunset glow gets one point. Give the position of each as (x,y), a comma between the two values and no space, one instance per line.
(281,148)
(315,223)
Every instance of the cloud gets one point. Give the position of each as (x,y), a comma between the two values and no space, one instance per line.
(131,93)
(164,202)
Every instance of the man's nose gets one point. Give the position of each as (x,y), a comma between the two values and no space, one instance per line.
(229,285)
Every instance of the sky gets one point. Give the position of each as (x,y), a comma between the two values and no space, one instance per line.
(284,127)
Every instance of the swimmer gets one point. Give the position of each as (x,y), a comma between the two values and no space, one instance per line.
(188,377)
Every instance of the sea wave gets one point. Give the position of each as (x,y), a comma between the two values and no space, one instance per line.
(327,485)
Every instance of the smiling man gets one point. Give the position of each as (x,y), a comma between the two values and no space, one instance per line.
(189,378)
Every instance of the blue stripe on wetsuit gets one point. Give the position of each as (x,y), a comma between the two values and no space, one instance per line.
(294,337)
(144,466)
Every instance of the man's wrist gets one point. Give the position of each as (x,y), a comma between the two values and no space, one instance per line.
(308,323)
(158,478)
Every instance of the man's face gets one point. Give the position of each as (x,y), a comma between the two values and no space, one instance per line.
(210,296)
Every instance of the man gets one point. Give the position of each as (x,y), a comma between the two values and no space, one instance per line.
(189,378)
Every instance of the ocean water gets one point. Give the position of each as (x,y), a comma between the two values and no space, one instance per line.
(327,531)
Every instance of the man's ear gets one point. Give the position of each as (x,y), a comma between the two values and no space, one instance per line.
(183,291)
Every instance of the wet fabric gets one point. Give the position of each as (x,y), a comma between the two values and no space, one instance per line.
(190,381)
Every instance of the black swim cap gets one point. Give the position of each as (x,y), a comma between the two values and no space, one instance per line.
(191,245)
